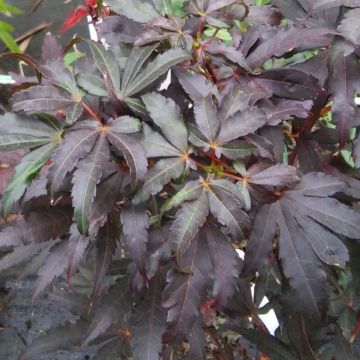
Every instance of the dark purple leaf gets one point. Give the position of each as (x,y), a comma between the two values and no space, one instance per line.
(225,262)
(148,323)
(135,222)
(184,293)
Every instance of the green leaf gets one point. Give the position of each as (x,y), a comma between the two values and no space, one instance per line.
(166,114)
(189,219)
(25,172)
(140,10)
(107,64)
(159,175)
(86,177)
(7,8)
(9,41)
(155,69)
(170,7)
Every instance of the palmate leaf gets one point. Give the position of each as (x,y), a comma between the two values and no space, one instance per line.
(21,141)
(106,245)
(344,85)
(114,307)
(226,205)
(46,98)
(260,243)
(27,132)
(25,171)
(300,264)
(196,86)
(135,223)
(184,293)
(304,217)
(241,124)
(166,114)
(156,145)
(283,39)
(133,152)
(225,263)
(78,245)
(288,83)
(160,174)
(58,74)
(206,119)
(107,193)
(86,177)
(42,98)
(54,266)
(277,175)
(191,191)
(40,126)
(107,64)
(24,252)
(134,63)
(350,27)
(239,98)
(148,324)
(159,66)
(189,219)
(76,145)
(159,250)
(320,5)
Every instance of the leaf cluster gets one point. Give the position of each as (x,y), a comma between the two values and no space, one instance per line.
(141,196)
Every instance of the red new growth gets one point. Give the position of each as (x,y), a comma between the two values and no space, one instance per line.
(78,14)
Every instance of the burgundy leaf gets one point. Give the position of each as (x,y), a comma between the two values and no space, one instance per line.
(135,223)
(184,293)
(225,263)
(148,323)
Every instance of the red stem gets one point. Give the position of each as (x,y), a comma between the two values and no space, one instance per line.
(90,111)
(200,28)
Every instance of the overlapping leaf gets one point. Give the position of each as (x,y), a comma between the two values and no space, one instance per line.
(184,293)
(148,324)
(303,242)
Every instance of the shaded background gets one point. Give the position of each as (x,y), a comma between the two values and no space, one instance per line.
(53,11)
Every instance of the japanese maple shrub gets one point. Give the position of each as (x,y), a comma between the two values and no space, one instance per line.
(140,196)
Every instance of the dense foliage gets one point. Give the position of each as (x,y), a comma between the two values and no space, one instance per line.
(141,194)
